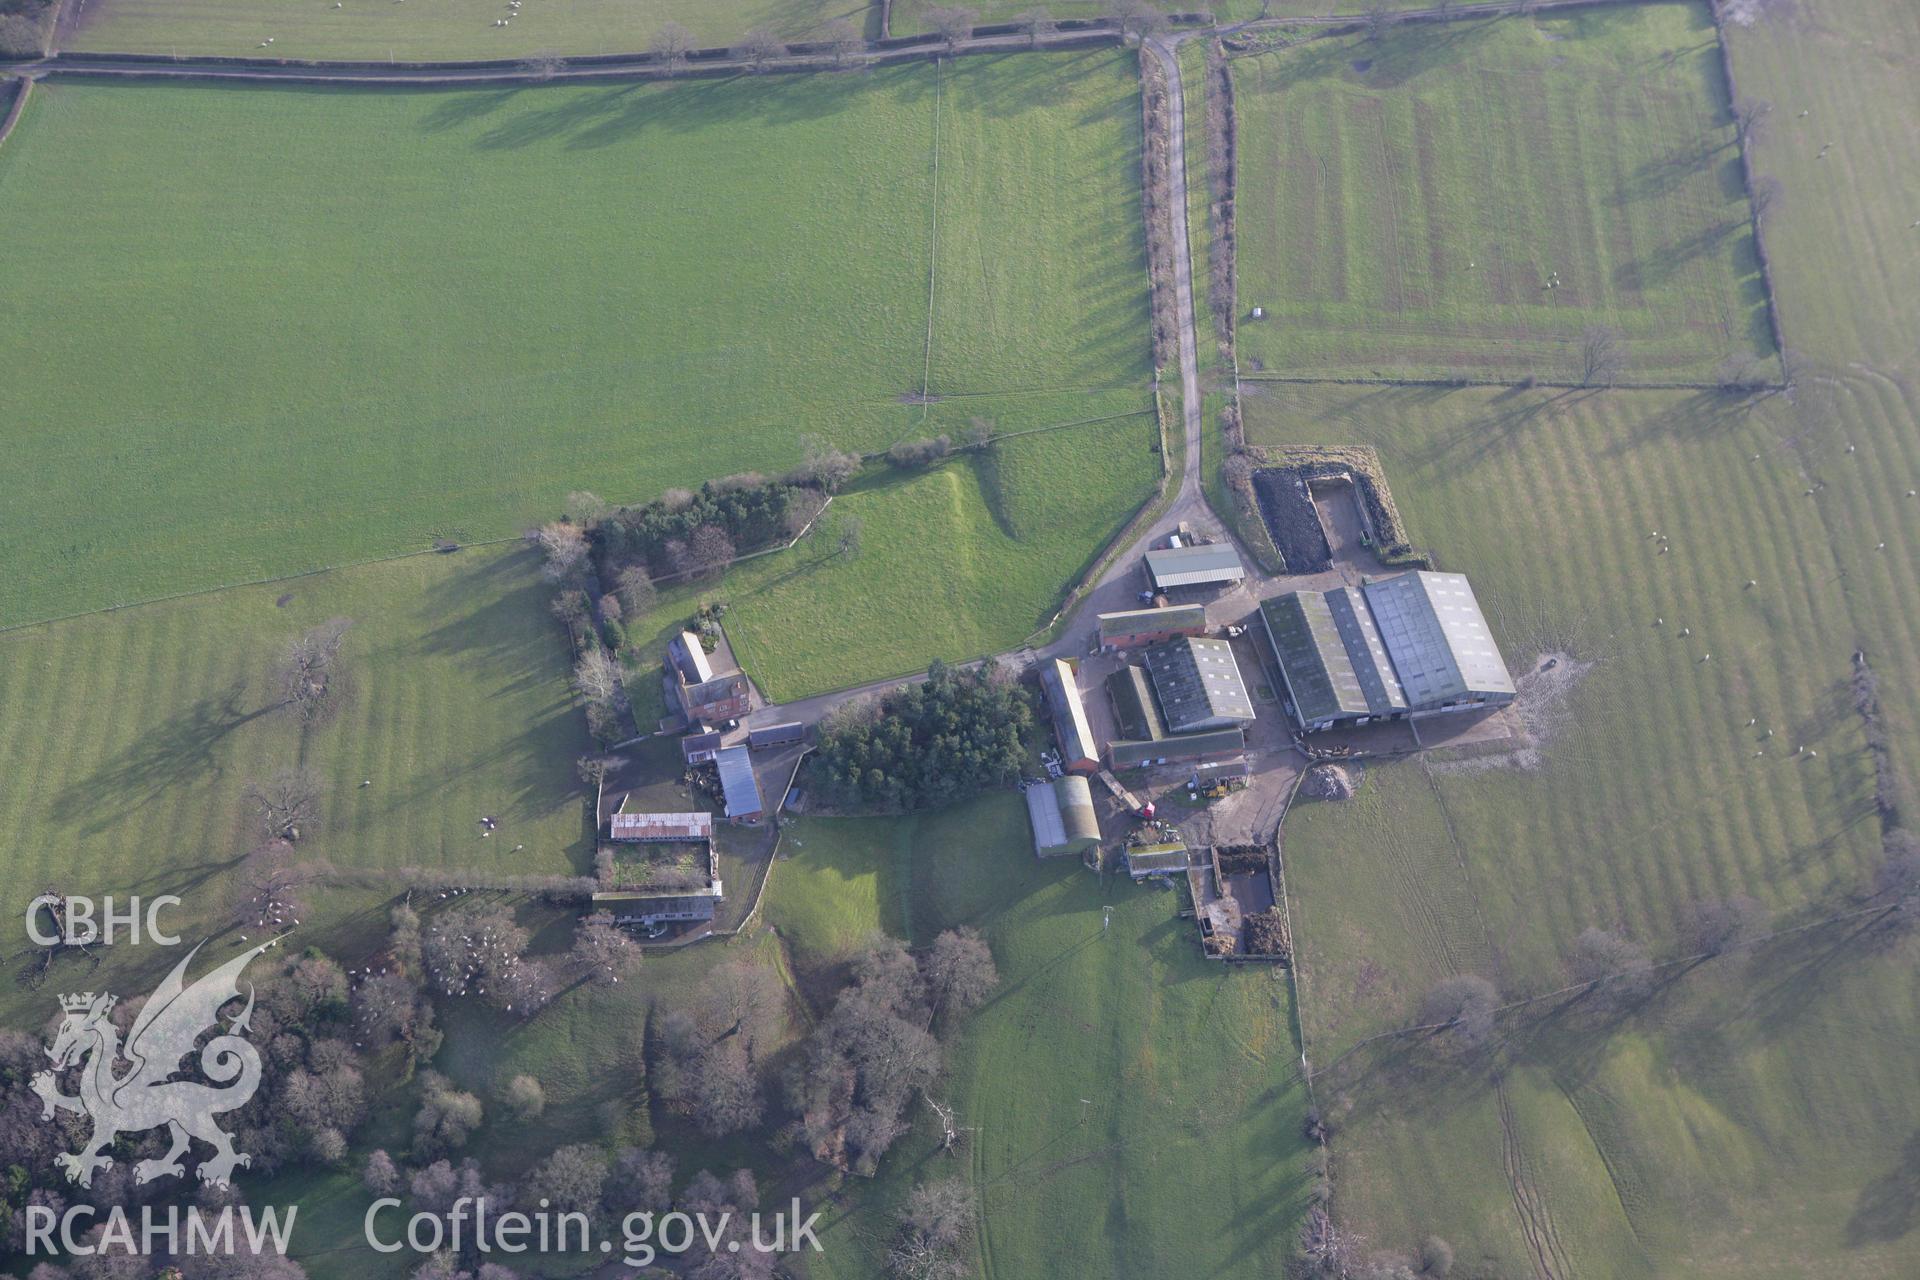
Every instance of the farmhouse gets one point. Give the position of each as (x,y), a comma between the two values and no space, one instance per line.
(657,828)
(1199,685)
(1070,728)
(1406,645)
(1137,627)
(1213,564)
(737,785)
(713,701)
(1062,815)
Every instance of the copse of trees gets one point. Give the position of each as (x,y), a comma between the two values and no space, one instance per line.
(669,535)
(928,744)
(864,1064)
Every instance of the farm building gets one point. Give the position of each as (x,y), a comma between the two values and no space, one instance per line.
(1077,751)
(737,785)
(1136,627)
(698,748)
(654,828)
(1217,745)
(1135,709)
(1199,685)
(1146,860)
(1211,565)
(1062,815)
(637,906)
(1406,645)
(776,735)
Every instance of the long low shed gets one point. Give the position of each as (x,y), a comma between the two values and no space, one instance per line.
(1214,564)
(1220,744)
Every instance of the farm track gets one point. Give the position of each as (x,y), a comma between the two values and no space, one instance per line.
(1536,1223)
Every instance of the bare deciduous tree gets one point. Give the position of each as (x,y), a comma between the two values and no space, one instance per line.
(1603,355)
(270,887)
(307,670)
(287,804)
(1767,191)
(544,64)
(564,545)
(1038,24)
(954,22)
(758,47)
(843,41)
(636,590)
(671,45)
(851,528)
(1749,119)
(1140,18)
(1614,968)
(959,971)
(597,676)
(1461,1007)
(1715,924)
(934,1227)
(709,550)
(602,951)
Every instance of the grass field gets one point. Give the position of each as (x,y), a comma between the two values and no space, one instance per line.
(1187,1156)
(131,736)
(426,30)
(345,323)
(1698,1136)
(1404,204)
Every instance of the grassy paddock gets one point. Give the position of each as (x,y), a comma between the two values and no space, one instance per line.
(132,736)
(1405,202)
(1699,1134)
(1187,1159)
(343,323)
(425,30)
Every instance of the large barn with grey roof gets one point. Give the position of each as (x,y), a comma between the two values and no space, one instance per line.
(1405,645)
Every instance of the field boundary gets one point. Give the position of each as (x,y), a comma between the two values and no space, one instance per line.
(933,255)
(1755,219)
(17,107)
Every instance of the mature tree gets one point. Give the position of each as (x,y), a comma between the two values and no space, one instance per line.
(671,45)
(544,64)
(447,1116)
(1712,925)
(307,674)
(1038,24)
(569,1180)
(1897,882)
(934,1227)
(1614,968)
(270,887)
(1461,1008)
(481,952)
(1749,118)
(386,1006)
(1603,355)
(597,676)
(843,41)
(1767,191)
(758,47)
(1436,1257)
(958,971)
(709,550)
(636,588)
(287,804)
(381,1175)
(563,544)
(639,1181)
(707,1077)
(823,465)
(1140,18)
(910,454)
(1378,20)
(602,950)
(572,608)
(953,22)
(523,1098)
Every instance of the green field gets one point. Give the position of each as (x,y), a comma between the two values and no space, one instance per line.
(344,323)
(425,30)
(1404,204)
(1698,1137)
(1186,1158)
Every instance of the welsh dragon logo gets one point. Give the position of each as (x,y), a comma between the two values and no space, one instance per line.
(145,1096)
